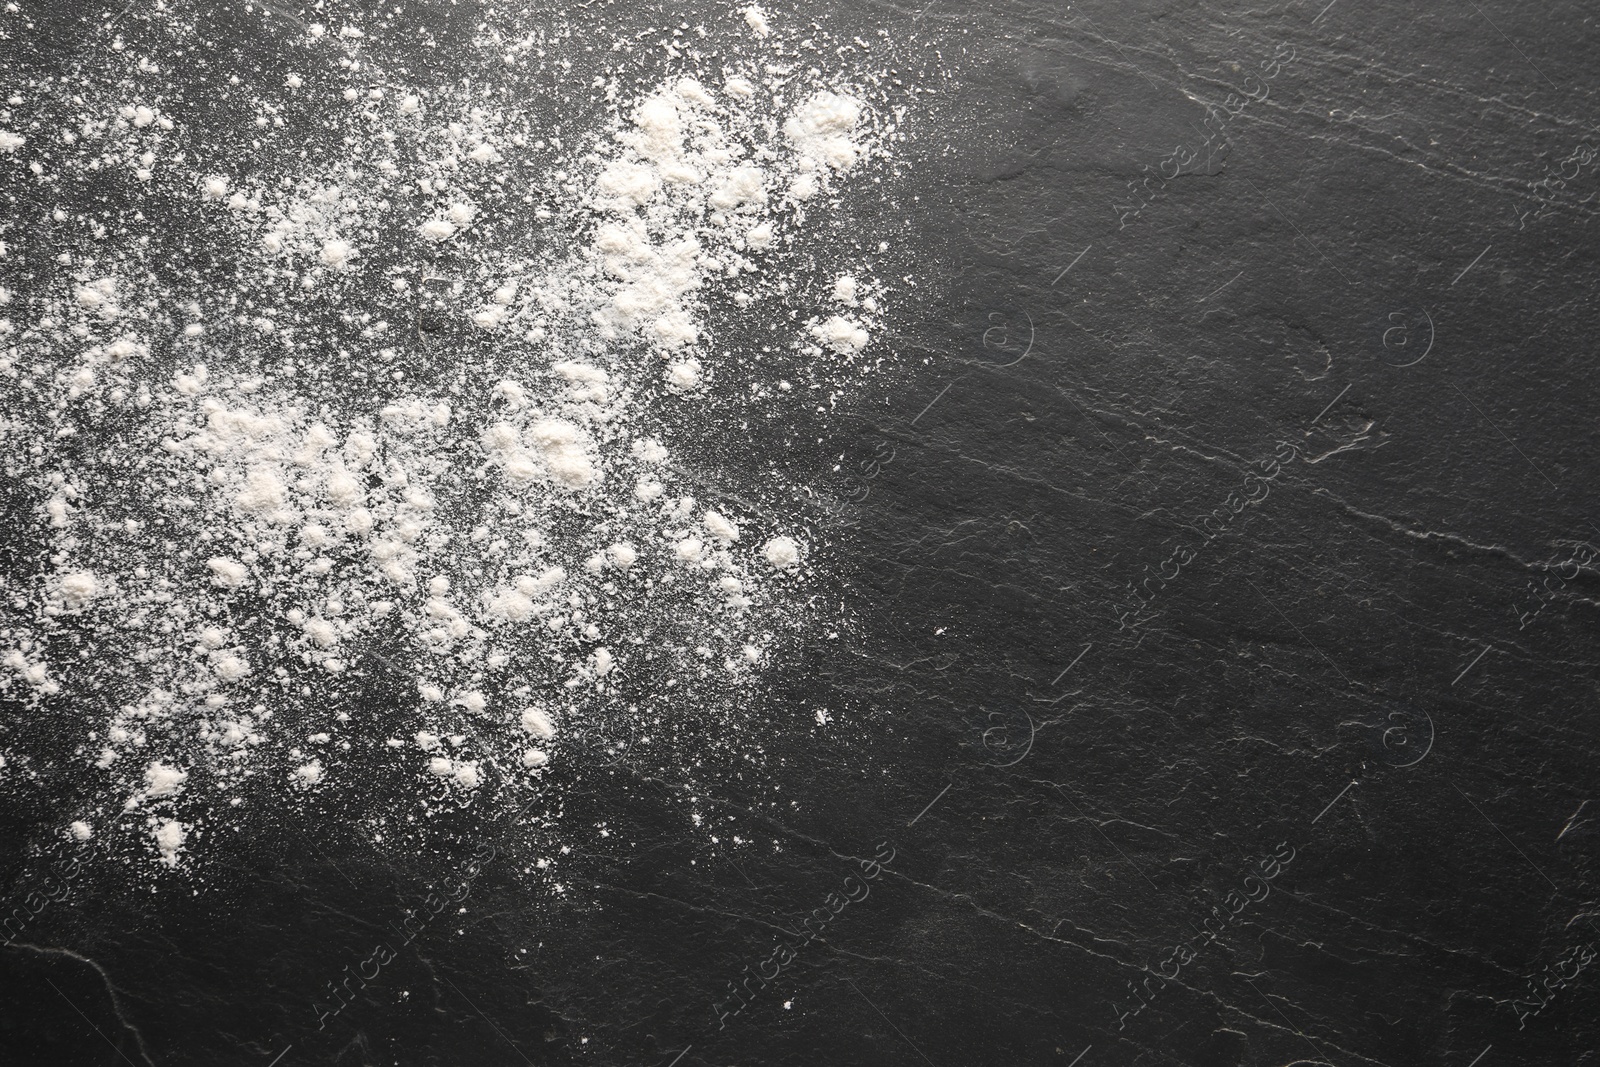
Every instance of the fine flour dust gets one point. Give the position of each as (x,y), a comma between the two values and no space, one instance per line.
(335,379)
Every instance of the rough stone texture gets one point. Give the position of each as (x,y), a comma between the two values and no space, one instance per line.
(1363,273)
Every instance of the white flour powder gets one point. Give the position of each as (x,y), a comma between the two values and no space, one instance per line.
(260,492)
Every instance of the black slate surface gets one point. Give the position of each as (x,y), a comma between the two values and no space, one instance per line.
(1227,693)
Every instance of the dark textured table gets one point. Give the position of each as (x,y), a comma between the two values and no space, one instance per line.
(1217,548)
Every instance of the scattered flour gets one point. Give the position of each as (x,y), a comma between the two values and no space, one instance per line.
(840,335)
(404,442)
(756,19)
(170,835)
(782,552)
